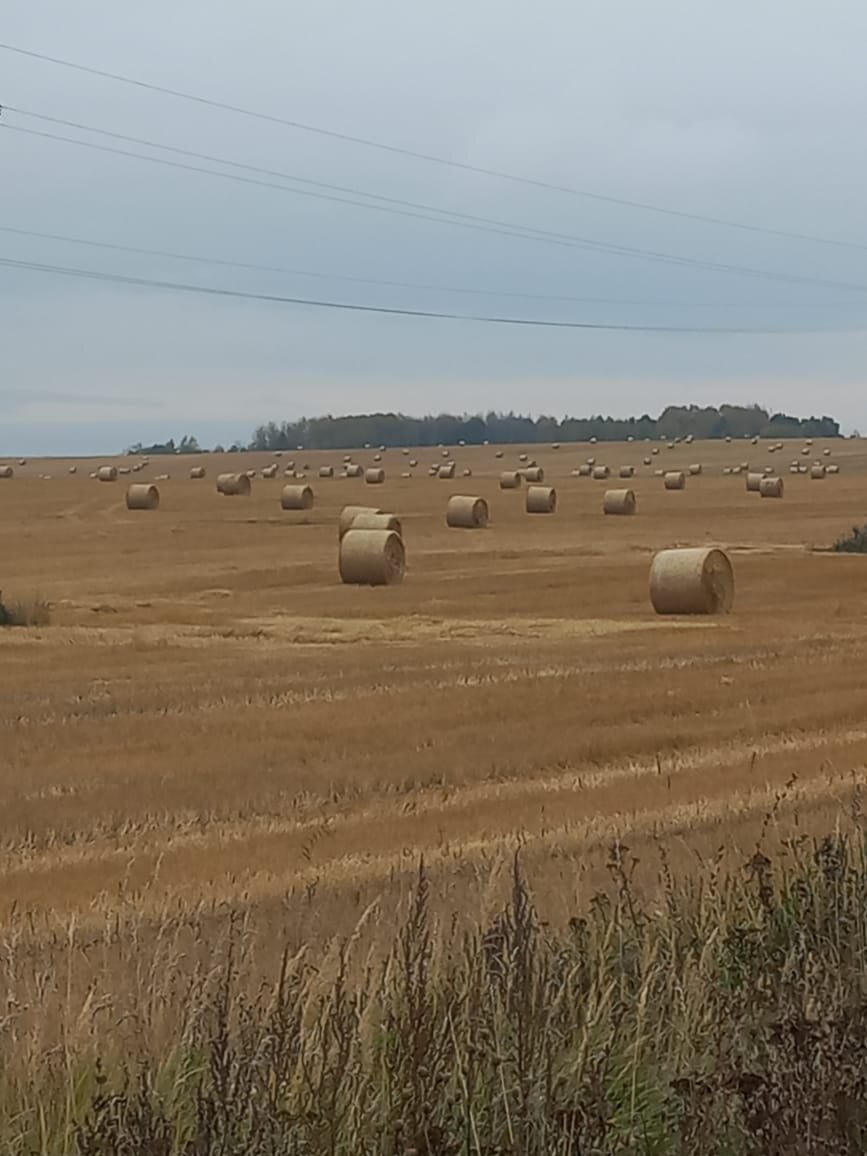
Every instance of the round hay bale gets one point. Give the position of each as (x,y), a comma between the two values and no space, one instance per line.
(406,474)
(755,441)
(805,449)
(646,461)
(141,496)
(808,441)
(413,463)
(585,471)
(374,476)
(555,445)
(674,480)
(466,513)
(826,452)
(124,471)
(692,581)
(727,471)
(655,450)
(233,485)
(804,469)
(771,487)
(833,469)
(73,469)
(371,558)
(354,471)
(590,462)
(534,474)
(106,474)
(522,457)
(269,472)
(250,474)
(162,477)
(6,472)
(498,454)
(370,520)
(817,472)
(659,473)
(768,471)
(695,469)
(753,483)
(728,441)
(593,441)
(433,471)
(326,471)
(296,498)
(22,461)
(541,500)
(618,502)
(600,473)
(445,453)
(626,472)
(510,480)
(467,473)
(197,472)
(447,471)
(377,457)
(348,515)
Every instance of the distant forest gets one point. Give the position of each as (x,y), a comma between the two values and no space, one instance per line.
(395,429)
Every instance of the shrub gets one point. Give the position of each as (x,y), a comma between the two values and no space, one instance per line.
(32,611)
(854,543)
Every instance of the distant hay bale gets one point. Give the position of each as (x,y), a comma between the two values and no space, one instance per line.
(585,471)
(794,469)
(433,471)
(805,449)
(534,474)
(727,470)
(405,453)
(162,477)
(6,472)
(233,485)
(646,461)
(753,483)
(374,476)
(106,474)
(728,441)
(817,472)
(590,462)
(826,452)
(252,473)
(354,471)
(659,473)
(771,487)
(522,457)
(692,581)
(626,471)
(141,496)
(674,480)
(197,472)
(804,469)
(833,469)
(670,446)
(695,469)
(406,474)
(445,453)
(555,445)
(593,441)
(808,441)
(73,469)
(541,500)
(510,480)
(348,515)
(326,471)
(689,439)
(768,471)
(466,513)
(371,558)
(296,498)
(447,471)
(377,457)
(498,454)
(467,473)
(654,450)
(600,473)
(618,502)
(755,441)
(269,472)
(123,470)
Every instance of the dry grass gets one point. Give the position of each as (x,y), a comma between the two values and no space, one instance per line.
(214,725)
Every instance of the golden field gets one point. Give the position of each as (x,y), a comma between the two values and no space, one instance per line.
(211,717)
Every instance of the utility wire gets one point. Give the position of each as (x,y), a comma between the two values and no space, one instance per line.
(392,284)
(548,323)
(432,158)
(463,220)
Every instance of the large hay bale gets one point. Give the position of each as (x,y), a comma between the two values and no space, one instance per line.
(695,469)
(368,520)
(618,502)
(348,515)
(374,476)
(626,471)
(354,470)
(510,480)
(692,581)
(541,500)
(600,473)
(6,472)
(371,557)
(817,472)
(197,472)
(771,487)
(141,496)
(326,471)
(233,485)
(674,480)
(466,513)
(296,498)
(534,474)
(585,471)
(447,472)
(753,483)
(106,474)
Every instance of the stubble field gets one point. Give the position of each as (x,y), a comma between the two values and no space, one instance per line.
(213,726)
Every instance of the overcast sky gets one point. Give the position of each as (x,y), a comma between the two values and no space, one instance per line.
(751,112)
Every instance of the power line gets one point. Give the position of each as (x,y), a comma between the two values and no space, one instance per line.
(548,323)
(432,158)
(393,284)
(463,220)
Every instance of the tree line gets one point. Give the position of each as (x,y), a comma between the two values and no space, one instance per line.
(397,429)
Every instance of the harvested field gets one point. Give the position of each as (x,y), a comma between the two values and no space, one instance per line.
(198,730)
